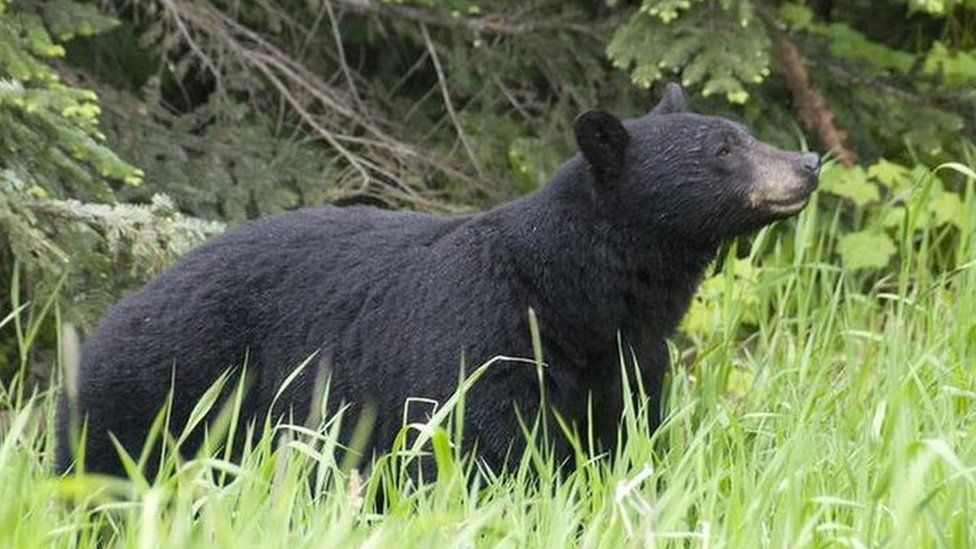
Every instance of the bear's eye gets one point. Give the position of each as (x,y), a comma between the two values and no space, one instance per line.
(725,149)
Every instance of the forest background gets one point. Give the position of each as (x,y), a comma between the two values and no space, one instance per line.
(132,130)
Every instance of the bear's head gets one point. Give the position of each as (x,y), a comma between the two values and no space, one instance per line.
(699,177)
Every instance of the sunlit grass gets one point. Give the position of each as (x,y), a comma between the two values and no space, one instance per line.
(845,414)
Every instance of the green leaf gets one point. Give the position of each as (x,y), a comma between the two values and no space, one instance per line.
(921,174)
(957,167)
(795,15)
(931,7)
(68,19)
(711,46)
(740,381)
(955,68)
(733,289)
(947,208)
(847,43)
(850,183)
(894,217)
(865,250)
(700,318)
(889,174)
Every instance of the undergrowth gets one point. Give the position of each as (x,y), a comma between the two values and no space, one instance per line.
(824,406)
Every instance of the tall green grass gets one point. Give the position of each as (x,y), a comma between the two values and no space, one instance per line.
(845,414)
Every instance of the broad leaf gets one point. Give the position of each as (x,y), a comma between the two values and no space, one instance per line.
(851,183)
(947,208)
(894,217)
(889,174)
(865,250)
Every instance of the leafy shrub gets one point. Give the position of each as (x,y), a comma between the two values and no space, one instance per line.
(60,222)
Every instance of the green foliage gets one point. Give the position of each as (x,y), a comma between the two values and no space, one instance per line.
(717,45)
(48,130)
(885,89)
(791,418)
(887,92)
(216,162)
(531,161)
(843,419)
(735,288)
(89,251)
(850,183)
(60,224)
(847,43)
(865,249)
(875,218)
(954,69)
(236,111)
(67,19)
(938,7)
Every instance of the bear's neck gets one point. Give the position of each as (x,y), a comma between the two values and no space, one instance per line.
(589,280)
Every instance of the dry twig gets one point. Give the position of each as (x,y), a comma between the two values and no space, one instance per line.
(480,24)
(379,157)
(447,99)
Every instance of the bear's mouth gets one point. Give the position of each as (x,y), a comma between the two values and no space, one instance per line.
(782,200)
(786,206)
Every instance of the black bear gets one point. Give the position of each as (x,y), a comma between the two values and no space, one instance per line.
(391,303)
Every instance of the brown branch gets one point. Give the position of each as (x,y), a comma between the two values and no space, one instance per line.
(486,24)
(303,78)
(341,54)
(810,106)
(442,81)
(342,112)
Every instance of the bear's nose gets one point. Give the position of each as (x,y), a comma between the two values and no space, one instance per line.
(810,162)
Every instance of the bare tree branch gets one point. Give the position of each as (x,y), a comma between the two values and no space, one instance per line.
(488,24)
(378,158)
(447,99)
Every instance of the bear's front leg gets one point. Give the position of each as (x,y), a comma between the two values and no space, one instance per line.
(501,417)
(652,363)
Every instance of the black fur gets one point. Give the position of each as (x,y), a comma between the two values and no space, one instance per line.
(603,141)
(672,100)
(392,300)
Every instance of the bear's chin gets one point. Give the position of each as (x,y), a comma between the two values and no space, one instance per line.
(785,208)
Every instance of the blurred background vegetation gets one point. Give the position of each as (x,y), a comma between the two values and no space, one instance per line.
(130,130)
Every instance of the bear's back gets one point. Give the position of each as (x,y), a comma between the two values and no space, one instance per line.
(257,282)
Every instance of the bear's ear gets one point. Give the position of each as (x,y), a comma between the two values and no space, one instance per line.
(603,140)
(672,100)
